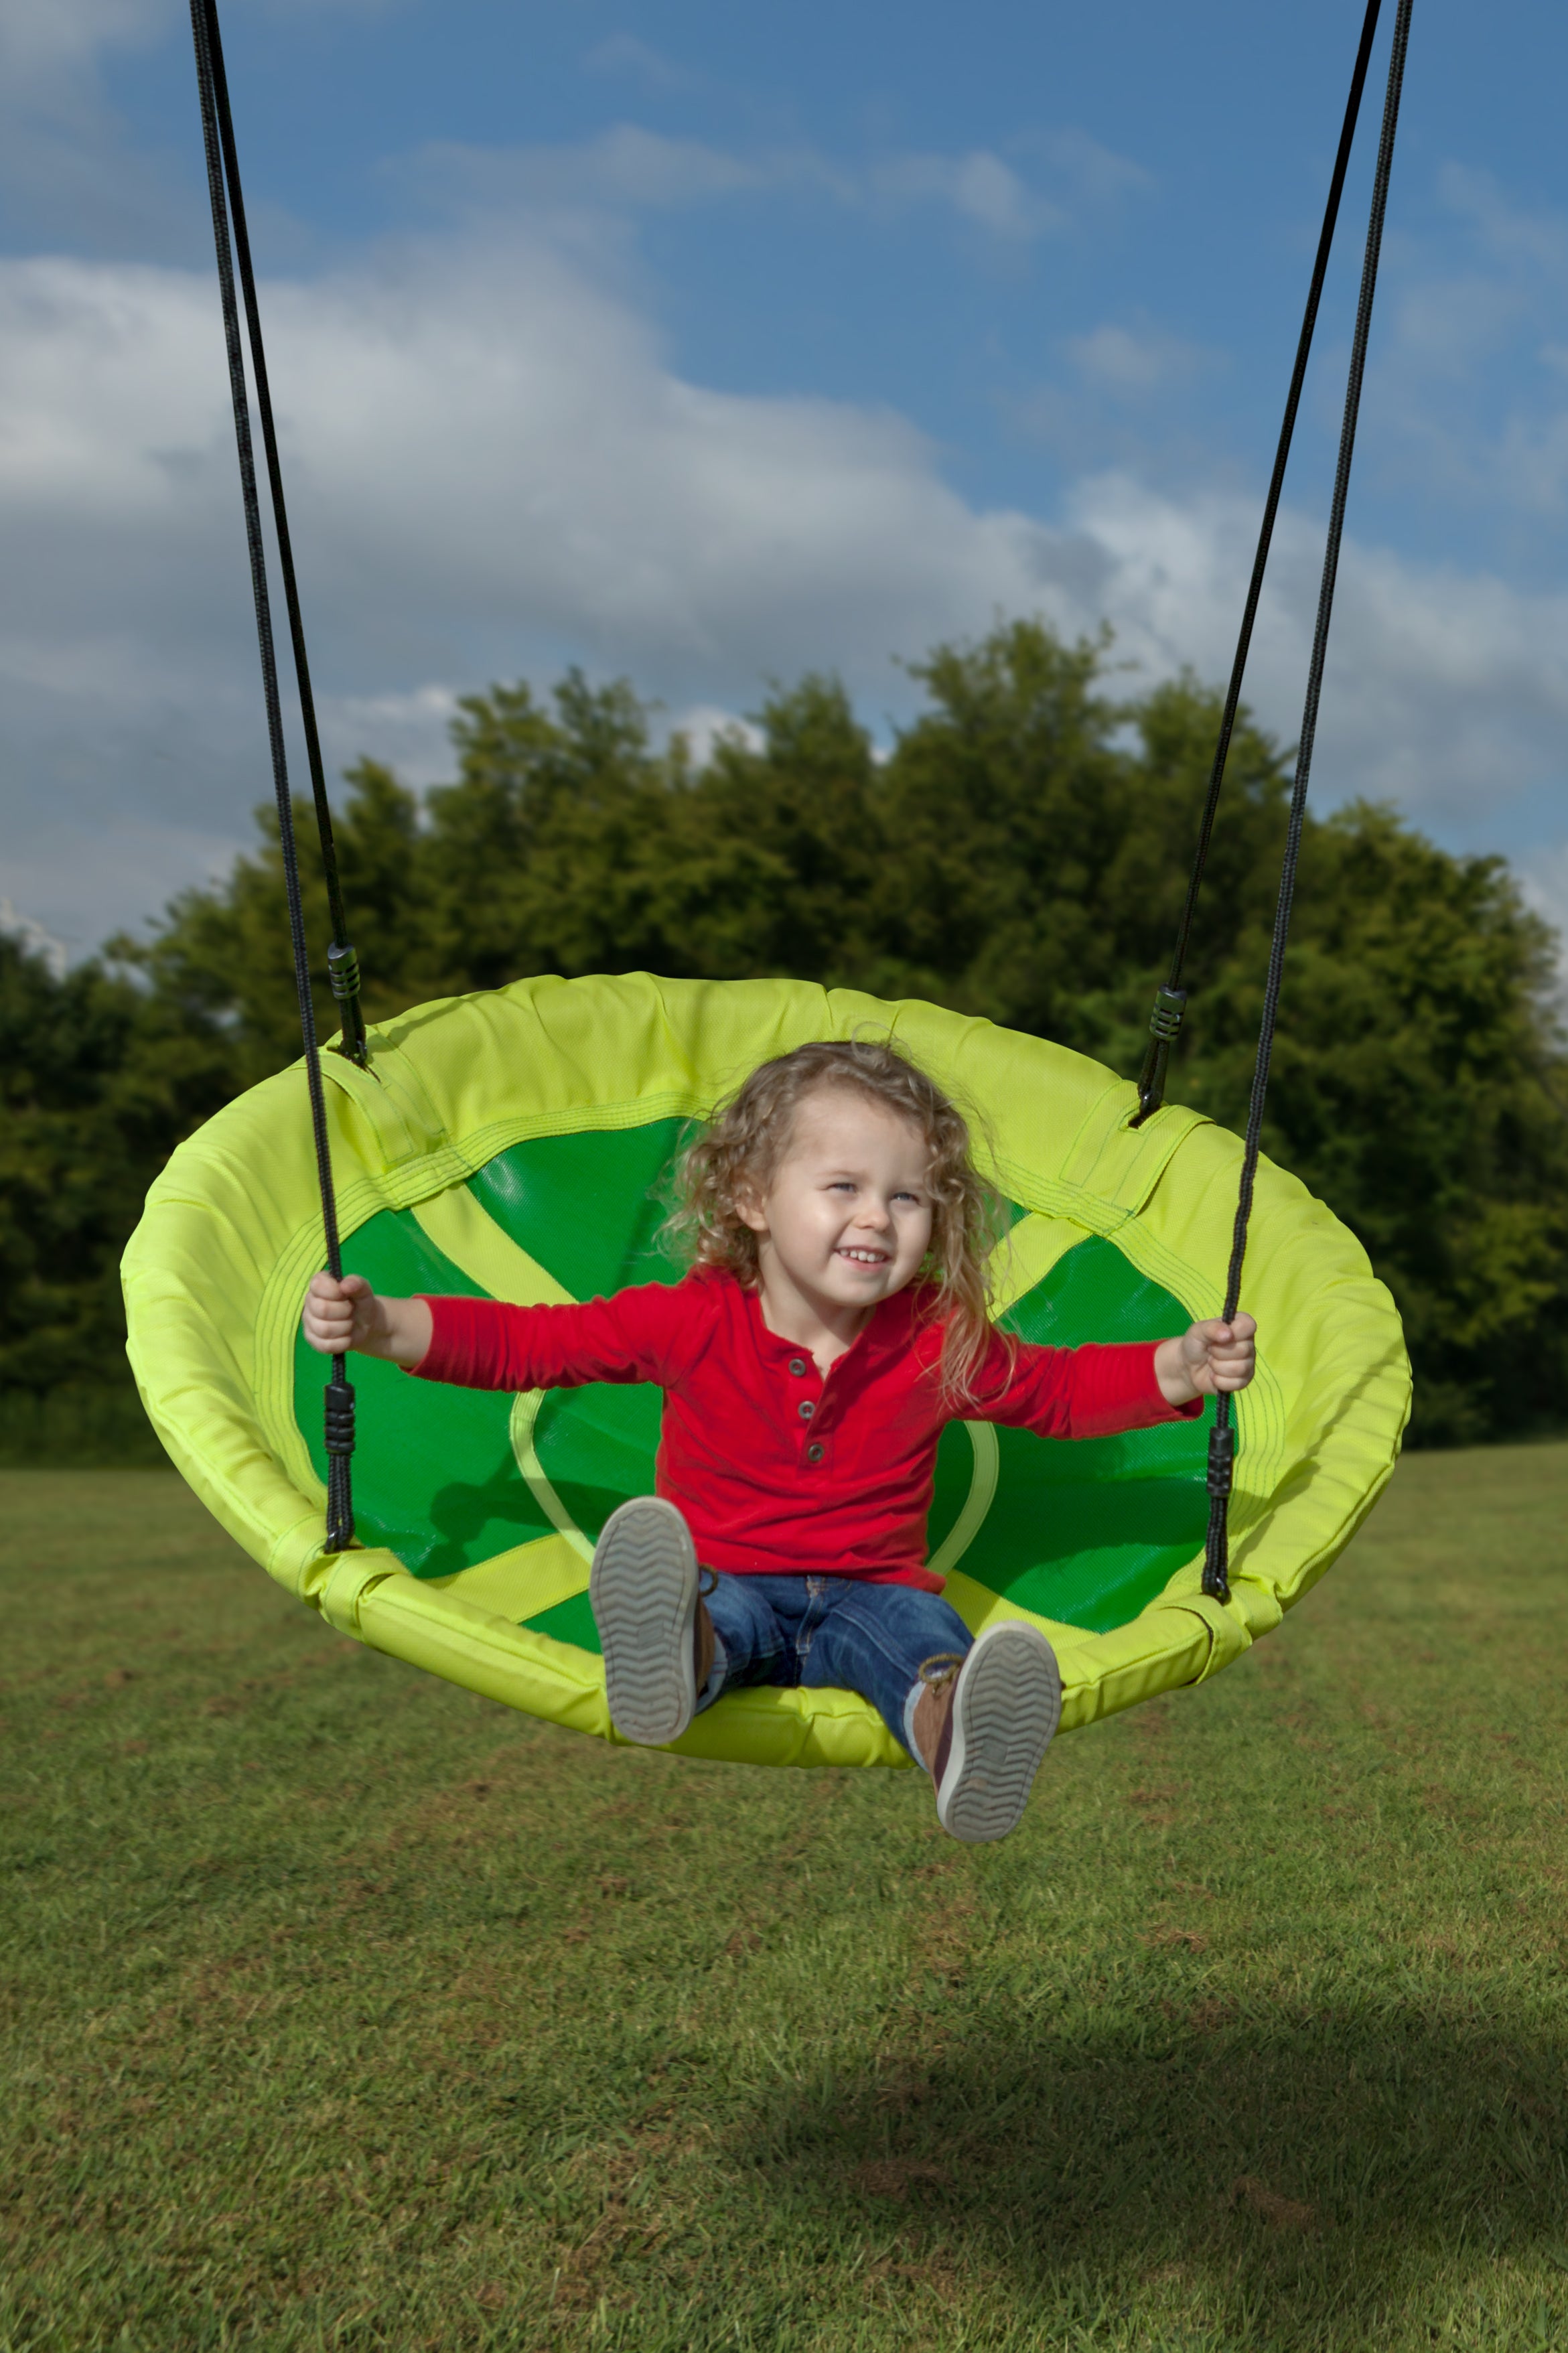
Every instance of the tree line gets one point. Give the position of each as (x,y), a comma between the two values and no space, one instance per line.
(1019,851)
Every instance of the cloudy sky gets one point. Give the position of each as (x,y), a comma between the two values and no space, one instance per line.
(704,344)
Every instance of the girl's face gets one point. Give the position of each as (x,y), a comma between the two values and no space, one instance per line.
(846,1217)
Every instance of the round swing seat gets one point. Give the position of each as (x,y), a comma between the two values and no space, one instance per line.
(513,1143)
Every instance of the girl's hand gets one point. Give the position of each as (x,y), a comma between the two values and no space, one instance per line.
(349,1315)
(1207,1358)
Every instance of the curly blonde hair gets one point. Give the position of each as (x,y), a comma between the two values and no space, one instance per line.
(737,1154)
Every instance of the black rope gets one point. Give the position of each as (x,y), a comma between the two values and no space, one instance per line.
(340,1397)
(342,965)
(1222,1438)
(1171,1002)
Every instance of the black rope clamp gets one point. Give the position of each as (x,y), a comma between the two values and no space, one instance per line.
(1164,1027)
(1222,1458)
(339,1417)
(1165,1021)
(342,972)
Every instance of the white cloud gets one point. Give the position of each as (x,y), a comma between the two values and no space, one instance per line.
(490,483)
(1094,172)
(1468,400)
(77,882)
(980,187)
(1537,238)
(1132,364)
(1544,880)
(629,168)
(478,487)
(624,167)
(34,938)
(1444,690)
(623,55)
(50,47)
(68,168)
(47,45)
(64,163)
(410,731)
(704,724)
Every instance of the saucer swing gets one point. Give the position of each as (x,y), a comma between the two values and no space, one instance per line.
(513,1143)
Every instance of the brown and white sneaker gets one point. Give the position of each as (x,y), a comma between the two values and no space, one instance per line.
(983,1724)
(657,1640)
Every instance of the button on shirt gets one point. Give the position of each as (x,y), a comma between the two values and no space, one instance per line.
(835,1483)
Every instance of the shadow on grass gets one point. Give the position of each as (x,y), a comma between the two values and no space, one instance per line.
(1307,2169)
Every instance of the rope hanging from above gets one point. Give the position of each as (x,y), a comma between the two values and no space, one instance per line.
(1171,1002)
(342,965)
(219,140)
(1222,1436)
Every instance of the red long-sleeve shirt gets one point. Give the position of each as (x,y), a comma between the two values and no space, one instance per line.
(778,1470)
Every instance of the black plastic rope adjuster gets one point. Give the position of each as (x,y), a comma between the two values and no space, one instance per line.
(1165,1028)
(1165,1021)
(342,972)
(1222,1458)
(338,1416)
(343,976)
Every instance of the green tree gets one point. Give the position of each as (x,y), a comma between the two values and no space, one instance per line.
(98,1079)
(1418,1084)
(1020,851)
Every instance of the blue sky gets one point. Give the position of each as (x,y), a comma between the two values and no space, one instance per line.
(705,344)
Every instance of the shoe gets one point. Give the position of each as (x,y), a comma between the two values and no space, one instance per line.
(653,1629)
(984,1727)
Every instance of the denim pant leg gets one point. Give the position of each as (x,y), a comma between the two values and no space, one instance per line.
(875,1639)
(755,1642)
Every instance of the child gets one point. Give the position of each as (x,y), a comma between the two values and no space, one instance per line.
(834,1319)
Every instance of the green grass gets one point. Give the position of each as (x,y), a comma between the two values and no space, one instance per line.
(343,2010)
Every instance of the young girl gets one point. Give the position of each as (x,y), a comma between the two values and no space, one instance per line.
(834,1319)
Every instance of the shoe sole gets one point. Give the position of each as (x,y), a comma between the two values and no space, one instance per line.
(643,1591)
(1005,1711)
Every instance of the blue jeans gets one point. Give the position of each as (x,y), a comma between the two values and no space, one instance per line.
(838,1630)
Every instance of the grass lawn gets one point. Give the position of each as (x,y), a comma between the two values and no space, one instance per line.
(343,2010)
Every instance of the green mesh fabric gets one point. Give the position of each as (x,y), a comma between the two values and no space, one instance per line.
(1086,1534)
